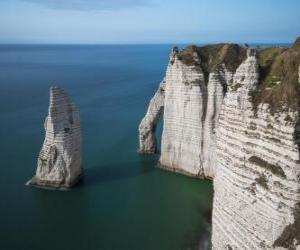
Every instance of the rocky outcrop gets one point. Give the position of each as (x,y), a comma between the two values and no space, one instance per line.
(191,102)
(185,94)
(60,160)
(257,184)
(234,118)
(148,125)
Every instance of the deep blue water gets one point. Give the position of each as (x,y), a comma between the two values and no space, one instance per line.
(124,201)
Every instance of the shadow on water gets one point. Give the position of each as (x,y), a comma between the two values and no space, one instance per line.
(200,237)
(107,173)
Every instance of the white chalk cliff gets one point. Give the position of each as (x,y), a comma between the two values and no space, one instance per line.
(219,123)
(60,160)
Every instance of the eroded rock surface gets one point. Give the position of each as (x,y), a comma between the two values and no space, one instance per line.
(147,139)
(185,94)
(232,114)
(257,182)
(60,161)
(191,102)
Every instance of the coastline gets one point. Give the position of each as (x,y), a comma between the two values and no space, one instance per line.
(183,172)
(48,185)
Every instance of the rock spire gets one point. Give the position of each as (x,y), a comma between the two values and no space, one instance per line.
(60,160)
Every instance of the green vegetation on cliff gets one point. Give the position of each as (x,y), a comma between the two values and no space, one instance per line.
(212,56)
(279,67)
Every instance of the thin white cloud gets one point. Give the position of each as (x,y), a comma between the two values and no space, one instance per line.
(87,5)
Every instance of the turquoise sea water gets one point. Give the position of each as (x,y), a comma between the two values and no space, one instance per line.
(124,201)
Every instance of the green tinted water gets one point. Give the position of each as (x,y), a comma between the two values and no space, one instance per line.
(124,200)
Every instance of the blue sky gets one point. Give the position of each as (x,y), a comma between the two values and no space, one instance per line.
(148,21)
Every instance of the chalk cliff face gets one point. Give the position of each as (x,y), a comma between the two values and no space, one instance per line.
(232,114)
(191,102)
(59,161)
(257,182)
(185,93)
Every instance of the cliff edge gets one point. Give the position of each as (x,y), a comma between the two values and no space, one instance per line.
(231,114)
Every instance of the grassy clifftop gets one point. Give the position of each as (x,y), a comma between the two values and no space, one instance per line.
(279,84)
(211,56)
(278,70)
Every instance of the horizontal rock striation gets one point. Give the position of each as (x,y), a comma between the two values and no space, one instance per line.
(257,185)
(60,160)
(232,114)
(191,102)
(185,97)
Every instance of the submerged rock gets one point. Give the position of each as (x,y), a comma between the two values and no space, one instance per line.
(231,114)
(60,160)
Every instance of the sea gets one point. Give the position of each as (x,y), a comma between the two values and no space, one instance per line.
(125,201)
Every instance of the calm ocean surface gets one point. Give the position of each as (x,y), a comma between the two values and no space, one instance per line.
(125,201)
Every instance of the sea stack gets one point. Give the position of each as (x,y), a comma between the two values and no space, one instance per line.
(60,160)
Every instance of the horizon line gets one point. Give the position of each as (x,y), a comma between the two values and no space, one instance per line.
(147,43)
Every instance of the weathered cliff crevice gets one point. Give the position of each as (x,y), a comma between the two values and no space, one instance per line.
(217,88)
(60,160)
(234,117)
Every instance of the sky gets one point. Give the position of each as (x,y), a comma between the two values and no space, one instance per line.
(148,21)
